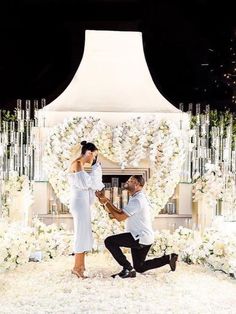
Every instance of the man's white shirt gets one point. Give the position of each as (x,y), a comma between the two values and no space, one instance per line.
(139,222)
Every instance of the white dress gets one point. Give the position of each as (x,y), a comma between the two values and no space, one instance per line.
(82,195)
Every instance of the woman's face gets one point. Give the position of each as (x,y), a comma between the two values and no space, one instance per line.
(90,156)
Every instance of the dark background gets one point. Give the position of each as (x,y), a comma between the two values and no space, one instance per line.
(186,44)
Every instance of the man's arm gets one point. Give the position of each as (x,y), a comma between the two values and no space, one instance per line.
(117,213)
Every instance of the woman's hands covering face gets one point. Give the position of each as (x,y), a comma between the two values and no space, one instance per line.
(94,160)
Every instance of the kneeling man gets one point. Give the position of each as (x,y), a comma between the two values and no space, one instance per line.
(139,234)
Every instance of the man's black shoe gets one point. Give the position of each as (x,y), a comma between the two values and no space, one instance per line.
(128,274)
(121,273)
(172,262)
(125,273)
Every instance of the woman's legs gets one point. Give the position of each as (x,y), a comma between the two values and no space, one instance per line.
(83,239)
(79,265)
(79,260)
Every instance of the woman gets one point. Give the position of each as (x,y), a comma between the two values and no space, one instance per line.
(83,187)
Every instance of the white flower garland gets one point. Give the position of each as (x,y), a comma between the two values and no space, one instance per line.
(167,154)
(128,144)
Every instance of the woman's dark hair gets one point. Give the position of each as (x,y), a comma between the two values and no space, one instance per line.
(87,146)
(140,179)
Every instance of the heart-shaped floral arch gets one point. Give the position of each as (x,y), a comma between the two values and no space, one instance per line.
(127,144)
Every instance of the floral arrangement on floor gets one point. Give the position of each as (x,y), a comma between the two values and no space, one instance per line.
(167,242)
(18,243)
(215,248)
(126,144)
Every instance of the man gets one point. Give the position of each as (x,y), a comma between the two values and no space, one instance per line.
(139,234)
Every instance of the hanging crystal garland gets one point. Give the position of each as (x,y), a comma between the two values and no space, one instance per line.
(18,146)
(38,137)
(211,140)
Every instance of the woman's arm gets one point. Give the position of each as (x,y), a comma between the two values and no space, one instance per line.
(96,177)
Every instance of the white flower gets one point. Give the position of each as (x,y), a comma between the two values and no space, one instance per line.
(210,186)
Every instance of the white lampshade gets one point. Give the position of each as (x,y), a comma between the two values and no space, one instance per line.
(112,77)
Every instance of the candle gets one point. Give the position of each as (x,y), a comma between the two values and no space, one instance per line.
(116,201)
(124,195)
(108,193)
(114,192)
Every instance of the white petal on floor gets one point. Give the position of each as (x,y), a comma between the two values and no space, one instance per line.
(49,287)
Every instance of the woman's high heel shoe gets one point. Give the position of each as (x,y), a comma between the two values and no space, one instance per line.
(79,273)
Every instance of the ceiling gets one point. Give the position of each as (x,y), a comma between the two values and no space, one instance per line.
(185,45)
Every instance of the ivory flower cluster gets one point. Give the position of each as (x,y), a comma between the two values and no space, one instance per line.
(18,243)
(214,247)
(210,185)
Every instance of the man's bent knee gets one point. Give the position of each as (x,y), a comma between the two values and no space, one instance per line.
(108,241)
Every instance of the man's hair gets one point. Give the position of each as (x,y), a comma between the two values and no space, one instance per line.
(140,179)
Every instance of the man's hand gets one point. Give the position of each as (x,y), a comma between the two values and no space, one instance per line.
(113,211)
(103,200)
(111,216)
(101,197)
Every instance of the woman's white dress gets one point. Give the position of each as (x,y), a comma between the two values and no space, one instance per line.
(82,195)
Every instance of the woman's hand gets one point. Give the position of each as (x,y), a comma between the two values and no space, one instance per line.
(94,160)
(100,194)
(101,197)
